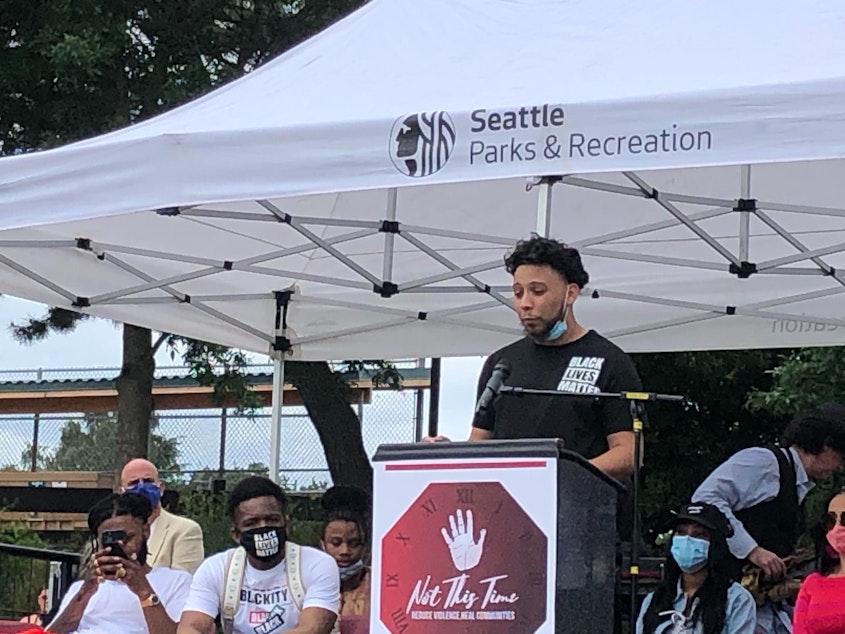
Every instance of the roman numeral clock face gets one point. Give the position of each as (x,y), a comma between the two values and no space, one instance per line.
(464,557)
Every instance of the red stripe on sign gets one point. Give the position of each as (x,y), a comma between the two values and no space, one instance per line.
(432,466)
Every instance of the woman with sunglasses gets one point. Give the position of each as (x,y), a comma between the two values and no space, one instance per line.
(697,595)
(820,607)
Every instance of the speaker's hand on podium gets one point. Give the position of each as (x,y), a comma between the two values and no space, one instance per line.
(465,551)
(436,439)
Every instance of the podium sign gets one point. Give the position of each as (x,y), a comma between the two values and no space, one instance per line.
(456,546)
(466,538)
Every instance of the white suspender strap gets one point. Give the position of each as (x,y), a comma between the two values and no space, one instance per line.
(293,567)
(232,589)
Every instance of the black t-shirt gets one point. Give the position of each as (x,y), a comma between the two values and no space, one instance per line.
(589,364)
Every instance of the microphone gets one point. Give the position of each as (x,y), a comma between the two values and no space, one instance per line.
(501,371)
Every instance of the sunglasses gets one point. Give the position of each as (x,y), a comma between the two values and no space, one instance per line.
(831,519)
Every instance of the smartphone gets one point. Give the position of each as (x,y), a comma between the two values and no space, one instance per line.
(112,539)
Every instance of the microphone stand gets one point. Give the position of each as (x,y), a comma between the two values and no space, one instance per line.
(635,403)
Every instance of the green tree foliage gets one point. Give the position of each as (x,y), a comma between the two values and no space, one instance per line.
(220,368)
(20,579)
(683,444)
(72,69)
(806,377)
(204,479)
(75,68)
(87,444)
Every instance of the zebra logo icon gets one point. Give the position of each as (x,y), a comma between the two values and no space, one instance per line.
(421,144)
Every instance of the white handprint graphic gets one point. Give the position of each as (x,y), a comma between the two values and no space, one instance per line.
(465,551)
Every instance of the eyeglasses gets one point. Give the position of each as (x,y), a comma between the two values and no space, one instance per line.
(831,518)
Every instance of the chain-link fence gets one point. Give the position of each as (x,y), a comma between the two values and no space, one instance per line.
(192,445)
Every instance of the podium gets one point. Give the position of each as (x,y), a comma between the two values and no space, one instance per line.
(502,536)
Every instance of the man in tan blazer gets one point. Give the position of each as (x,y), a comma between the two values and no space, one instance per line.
(175,542)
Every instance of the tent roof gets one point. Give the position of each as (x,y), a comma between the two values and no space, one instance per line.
(355,162)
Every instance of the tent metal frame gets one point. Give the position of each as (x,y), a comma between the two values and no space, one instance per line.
(462,280)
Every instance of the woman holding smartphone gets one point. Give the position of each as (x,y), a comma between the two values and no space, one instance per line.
(122,593)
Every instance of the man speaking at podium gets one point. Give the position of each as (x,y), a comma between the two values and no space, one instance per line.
(558,353)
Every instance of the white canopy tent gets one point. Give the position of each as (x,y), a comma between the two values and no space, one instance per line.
(380,171)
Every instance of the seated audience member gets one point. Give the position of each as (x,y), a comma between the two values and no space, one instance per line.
(37,618)
(122,592)
(344,537)
(820,607)
(175,542)
(761,490)
(268,585)
(697,595)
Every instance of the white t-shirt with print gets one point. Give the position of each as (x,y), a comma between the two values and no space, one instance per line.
(266,605)
(115,608)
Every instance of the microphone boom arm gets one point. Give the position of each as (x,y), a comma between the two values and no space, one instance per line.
(625,396)
(635,401)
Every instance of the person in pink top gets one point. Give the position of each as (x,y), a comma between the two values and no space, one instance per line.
(820,607)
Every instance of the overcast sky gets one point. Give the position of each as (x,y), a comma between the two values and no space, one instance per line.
(97,343)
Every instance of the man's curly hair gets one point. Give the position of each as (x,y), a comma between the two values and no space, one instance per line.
(541,251)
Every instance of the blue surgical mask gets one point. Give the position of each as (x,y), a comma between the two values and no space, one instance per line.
(557,331)
(347,572)
(149,490)
(558,328)
(690,552)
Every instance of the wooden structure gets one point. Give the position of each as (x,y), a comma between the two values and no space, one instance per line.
(56,509)
(169,393)
(58,501)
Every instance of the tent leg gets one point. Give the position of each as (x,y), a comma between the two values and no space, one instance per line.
(389,237)
(544,208)
(277,414)
(745,216)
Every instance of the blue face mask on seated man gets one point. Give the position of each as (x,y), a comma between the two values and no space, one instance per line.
(690,552)
(149,490)
(347,572)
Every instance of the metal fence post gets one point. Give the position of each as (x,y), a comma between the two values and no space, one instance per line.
(36,424)
(434,398)
(223,420)
(419,407)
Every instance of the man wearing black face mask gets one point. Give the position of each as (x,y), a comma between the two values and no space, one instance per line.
(268,585)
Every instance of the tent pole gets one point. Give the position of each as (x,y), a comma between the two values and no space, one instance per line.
(389,237)
(544,205)
(281,345)
(745,215)
(277,414)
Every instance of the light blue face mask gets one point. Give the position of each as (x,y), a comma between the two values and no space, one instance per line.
(559,327)
(347,572)
(690,552)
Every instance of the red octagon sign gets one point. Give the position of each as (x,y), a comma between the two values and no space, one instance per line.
(464,557)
